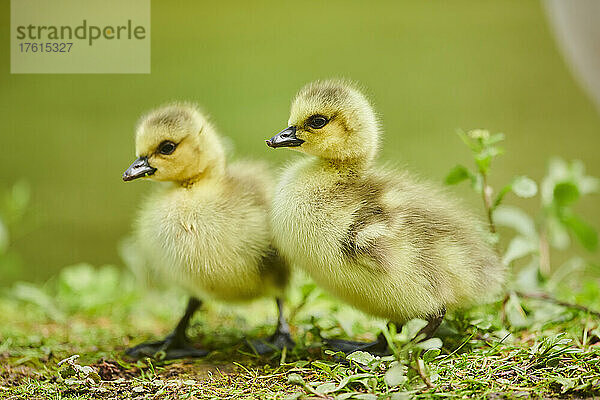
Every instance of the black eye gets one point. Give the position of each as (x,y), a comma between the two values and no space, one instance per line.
(317,121)
(167,147)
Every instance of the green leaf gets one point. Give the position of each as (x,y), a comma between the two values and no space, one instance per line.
(395,375)
(433,343)
(517,219)
(589,184)
(558,236)
(527,278)
(365,396)
(431,354)
(31,293)
(514,312)
(325,388)
(565,383)
(295,379)
(458,174)
(519,247)
(565,193)
(584,232)
(494,139)
(524,187)
(411,328)
(481,135)
(483,162)
(472,144)
(344,396)
(351,378)
(361,357)
(501,195)
(322,366)
(402,396)
(484,158)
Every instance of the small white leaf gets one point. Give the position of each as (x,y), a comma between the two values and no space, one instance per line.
(401,396)
(361,357)
(325,388)
(589,184)
(517,219)
(395,375)
(411,328)
(558,236)
(433,343)
(514,313)
(365,396)
(527,278)
(524,187)
(519,247)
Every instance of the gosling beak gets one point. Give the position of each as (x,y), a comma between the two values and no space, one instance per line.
(138,169)
(285,138)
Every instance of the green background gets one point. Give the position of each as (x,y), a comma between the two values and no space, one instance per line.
(430,68)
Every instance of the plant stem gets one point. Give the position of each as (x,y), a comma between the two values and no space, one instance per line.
(544,254)
(486,192)
(550,299)
(421,371)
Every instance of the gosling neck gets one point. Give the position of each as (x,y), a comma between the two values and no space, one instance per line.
(349,167)
(210,172)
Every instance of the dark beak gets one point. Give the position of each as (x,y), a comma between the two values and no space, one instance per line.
(138,169)
(285,138)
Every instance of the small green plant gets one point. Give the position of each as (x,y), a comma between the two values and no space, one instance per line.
(563,186)
(485,147)
(13,206)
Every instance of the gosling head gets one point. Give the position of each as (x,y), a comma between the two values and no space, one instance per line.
(331,119)
(175,143)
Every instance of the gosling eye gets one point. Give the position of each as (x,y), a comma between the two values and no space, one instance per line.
(317,121)
(167,147)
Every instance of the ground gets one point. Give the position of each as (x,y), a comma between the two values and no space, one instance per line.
(86,317)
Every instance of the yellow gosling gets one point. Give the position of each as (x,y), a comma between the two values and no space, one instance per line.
(207,227)
(381,240)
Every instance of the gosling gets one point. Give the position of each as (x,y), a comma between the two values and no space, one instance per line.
(207,228)
(380,240)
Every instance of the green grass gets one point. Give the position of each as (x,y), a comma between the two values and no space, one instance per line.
(431,67)
(517,348)
(65,338)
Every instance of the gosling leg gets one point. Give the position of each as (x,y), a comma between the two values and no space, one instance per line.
(280,339)
(176,344)
(433,323)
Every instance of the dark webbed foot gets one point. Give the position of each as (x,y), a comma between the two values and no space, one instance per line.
(275,343)
(176,345)
(279,340)
(170,348)
(378,347)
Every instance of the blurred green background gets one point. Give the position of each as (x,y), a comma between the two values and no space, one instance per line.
(430,68)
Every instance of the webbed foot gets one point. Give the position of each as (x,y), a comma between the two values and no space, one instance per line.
(279,340)
(378,347)
(275,343)
(170,348)
(176,345)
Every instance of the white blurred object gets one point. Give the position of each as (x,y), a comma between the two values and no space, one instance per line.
(576,25)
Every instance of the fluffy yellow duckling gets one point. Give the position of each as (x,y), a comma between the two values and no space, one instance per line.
(207,228)
(381,240)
